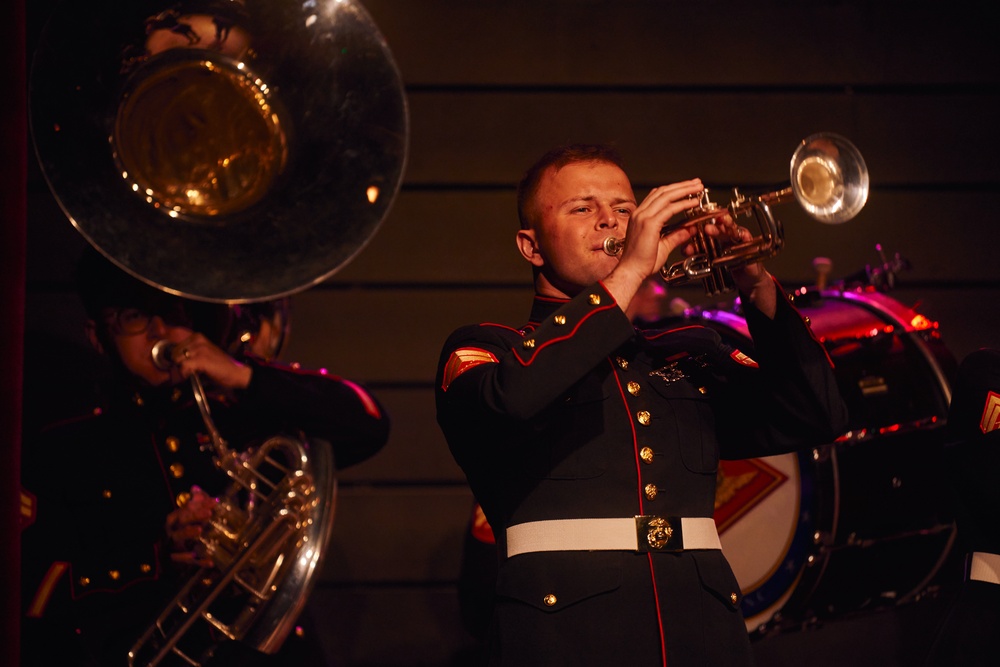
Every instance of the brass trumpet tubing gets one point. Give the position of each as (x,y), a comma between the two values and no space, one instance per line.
(829,180)
(713,261)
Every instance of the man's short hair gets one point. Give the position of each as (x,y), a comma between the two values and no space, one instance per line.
(559,157)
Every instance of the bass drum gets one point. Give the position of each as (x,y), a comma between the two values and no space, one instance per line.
(862,522)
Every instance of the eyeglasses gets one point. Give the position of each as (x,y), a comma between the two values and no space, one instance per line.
(132,321)
(127,321)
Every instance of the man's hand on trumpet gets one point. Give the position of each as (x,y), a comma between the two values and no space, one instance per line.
(646,249)
(752,280)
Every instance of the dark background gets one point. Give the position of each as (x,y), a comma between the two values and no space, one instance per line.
(722,90)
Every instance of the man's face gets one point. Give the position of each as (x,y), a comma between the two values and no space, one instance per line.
(133,333)
(576,208)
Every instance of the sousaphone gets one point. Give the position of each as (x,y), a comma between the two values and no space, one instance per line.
(230,152)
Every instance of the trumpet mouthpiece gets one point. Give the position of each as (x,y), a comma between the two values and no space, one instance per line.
(613,246)
(163,355)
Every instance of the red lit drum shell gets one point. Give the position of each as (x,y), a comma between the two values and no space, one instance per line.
(860,522)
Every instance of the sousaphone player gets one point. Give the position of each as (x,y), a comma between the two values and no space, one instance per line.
(219,154)
(124,491)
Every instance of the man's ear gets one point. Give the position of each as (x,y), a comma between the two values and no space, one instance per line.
(90,330)
(527,243)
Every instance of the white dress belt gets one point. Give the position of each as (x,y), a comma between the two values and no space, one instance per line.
(985,566)
(640,533)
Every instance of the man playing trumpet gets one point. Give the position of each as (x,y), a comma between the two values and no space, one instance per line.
(593,446)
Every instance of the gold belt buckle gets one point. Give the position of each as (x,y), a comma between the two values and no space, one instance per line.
(658,533)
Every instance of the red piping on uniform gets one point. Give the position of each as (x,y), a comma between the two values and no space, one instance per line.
(638,477)
(501,326)
(670,331)
(566,337)
(635,446)
(659,619)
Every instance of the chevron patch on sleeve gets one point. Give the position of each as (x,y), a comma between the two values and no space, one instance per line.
(28,509)
(462,360)
(743,359)
(991,413)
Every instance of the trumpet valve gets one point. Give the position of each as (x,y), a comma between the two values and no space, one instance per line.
(705,206)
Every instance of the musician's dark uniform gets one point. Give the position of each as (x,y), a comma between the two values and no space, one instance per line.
(96,565)
(969,635)
(579,415)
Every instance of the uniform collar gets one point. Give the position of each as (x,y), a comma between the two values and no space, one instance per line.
(544,306)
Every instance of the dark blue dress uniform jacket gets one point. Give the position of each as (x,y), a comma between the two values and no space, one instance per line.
(95,566)
(579,415)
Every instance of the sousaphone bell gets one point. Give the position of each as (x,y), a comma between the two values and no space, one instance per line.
(220,150)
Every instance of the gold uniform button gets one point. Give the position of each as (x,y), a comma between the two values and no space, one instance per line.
(145,568)
(646,454)
(177,470)
(733,597)
(703,390)
(559,319)
(549,600)
(650,490)
(84,581)
(644,417)
(173,444)
(622,363)
(634,388)
(528,343)
(807,321)
(114,574)
(106,494)
(595,299)
(182,498)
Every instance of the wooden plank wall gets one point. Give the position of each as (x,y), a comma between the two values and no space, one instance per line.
(722,90)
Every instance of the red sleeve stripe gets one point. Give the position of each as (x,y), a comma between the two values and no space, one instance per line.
(41,599)
(371,407)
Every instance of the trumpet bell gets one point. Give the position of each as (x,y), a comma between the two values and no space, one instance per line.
(220,150)
(829,178)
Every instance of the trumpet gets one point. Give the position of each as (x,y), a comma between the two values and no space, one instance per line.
(829,180)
